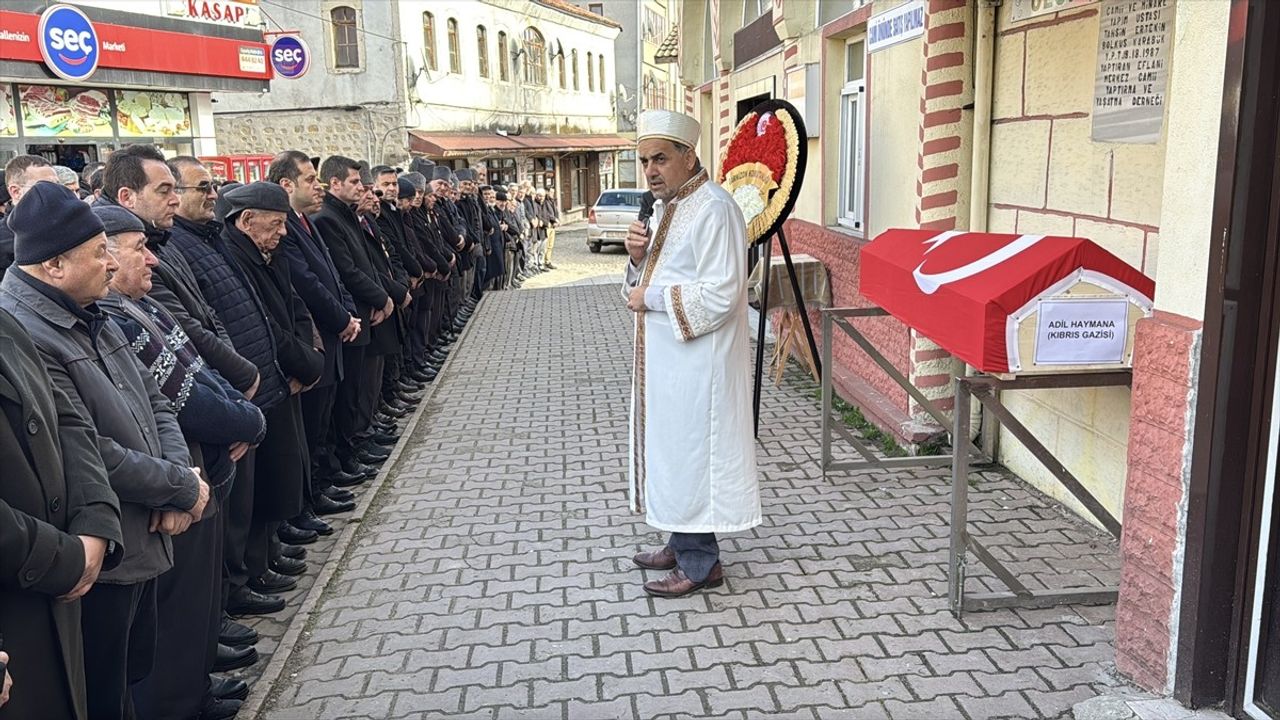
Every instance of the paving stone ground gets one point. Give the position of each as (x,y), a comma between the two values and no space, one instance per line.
(491,576)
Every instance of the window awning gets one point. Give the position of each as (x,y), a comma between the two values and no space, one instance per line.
(669,50)
(452,145)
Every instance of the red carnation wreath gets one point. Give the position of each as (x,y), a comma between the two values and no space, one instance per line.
(763,166)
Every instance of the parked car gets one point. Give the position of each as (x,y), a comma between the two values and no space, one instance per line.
(608,219)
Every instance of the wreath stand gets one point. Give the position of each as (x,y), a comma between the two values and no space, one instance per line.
(764,317)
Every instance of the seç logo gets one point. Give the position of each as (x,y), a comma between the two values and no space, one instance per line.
(290,57)
(68,42)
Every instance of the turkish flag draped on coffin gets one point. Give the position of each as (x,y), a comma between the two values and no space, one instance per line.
(959,288)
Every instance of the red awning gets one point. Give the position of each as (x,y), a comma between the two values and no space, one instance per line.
(489,143)
(961,289)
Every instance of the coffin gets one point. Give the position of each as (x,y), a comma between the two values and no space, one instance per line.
(1010,304)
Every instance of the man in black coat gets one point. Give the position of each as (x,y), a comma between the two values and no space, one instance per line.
(396,232)
(471,208)
(251,232)
(316,281)
(54,494)
(339,227)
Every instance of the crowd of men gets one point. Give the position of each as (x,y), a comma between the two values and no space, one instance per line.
(194,374)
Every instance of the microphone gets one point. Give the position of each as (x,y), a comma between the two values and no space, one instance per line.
(646,207)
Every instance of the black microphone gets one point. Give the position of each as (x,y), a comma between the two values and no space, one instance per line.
(646,207)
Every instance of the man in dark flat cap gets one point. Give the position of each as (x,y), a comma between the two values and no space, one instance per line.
(251,233)
(62,268)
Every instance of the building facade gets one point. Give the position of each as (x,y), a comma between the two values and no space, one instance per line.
(646,79)
(141,71)
(993,116)
(521,90)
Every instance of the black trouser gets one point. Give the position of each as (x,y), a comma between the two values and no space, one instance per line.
(370,392)
(317,414)
(238,523)
(421,320)
(696,553)
(118,623)
(257,552)
(348,418)
(188,615)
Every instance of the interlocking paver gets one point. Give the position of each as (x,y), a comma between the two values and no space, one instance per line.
(491,576)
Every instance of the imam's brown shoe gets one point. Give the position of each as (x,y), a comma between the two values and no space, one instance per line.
(677,584)
(663,559)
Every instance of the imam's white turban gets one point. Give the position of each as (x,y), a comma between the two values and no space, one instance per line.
(673,126)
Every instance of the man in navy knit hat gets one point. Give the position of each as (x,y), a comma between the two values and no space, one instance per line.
(62,268)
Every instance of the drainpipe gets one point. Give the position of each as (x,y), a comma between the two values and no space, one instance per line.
(980,176)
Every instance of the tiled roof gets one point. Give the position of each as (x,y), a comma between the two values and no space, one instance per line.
(571,9)
(669,50)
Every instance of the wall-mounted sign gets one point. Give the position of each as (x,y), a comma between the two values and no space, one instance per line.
(8,112)
(894,26)
(131,48)
(1026,9)
(1133,70)
(68,42)
(240,13)
(61,111)
(1082,332)
(146,113)
(290,56)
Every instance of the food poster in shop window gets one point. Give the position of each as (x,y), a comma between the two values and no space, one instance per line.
(146,113)
(59,111)
(8,113)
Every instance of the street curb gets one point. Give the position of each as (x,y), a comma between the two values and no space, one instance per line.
(264,687)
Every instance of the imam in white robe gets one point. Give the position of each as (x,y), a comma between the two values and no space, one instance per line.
(693,456)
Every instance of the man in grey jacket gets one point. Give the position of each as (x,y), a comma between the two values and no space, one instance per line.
(61,269)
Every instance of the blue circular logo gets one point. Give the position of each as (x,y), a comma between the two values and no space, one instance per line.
(68,42)
(290,57)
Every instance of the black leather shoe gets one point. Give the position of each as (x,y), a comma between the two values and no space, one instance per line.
(219,709)
(271,582)
(337,493)
(370,459)
(245,601)
(355,469)
(397,414)
(308,521)
(233,658)
(295,536)
(384,439)
(325,505)
(432,377)
(236,635)
(409,399)
(293,551)
(343,479)
(439,357)
(408,387)
(288,566)
(377,453)
(225,688)
(419,374)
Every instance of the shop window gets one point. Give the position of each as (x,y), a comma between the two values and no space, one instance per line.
(346,38)
(504,58)
(429,41)
(482,50)
(455,52)
(502,171)
(578,180)
(853,113)
(535,57)
(575,70)
(600,59)
(591,73)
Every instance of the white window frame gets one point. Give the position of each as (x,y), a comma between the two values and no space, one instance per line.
(853,151)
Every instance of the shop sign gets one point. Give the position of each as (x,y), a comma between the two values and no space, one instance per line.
(606,163)
(147,113)
(240,13)
(68,42)
(891,27)
(1082,331)
(61,111)
(1027,9)
(8,112)
(1132,71)
(290,56)
(127,48)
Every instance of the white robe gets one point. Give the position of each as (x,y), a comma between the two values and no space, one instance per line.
(693,456)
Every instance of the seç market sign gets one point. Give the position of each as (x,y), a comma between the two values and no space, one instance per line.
(68,42)
(290,56)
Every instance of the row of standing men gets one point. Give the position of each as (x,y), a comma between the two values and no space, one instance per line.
(191,375)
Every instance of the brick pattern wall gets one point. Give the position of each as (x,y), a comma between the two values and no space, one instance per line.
(1165,367)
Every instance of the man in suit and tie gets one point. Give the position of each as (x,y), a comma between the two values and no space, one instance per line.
(317,282)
